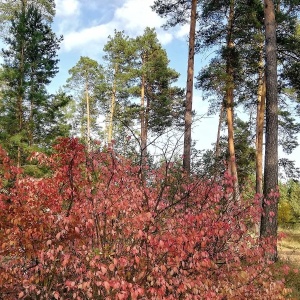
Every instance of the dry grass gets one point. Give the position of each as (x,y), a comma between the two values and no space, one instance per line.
(289,246)
(289,254)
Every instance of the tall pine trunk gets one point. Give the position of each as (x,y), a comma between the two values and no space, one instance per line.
(21,90)
(20,121)
(143,124)
(88,116)
(230,100)
(189,91)
(218,146)
(112,108)
(260,117)
(269,223)
(111,114)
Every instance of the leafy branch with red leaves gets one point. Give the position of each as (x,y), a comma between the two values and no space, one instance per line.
(92,229)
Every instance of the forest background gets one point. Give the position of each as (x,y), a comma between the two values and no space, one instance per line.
(95,21)
(86,26)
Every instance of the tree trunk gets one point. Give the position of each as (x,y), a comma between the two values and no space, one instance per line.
(88,116)
(143,124)
(189,91)
(111,114)
(218,148)
(112,109)
(20,120)
(21,93)
(269,224)
(30,124)
(260,116)
(230,101)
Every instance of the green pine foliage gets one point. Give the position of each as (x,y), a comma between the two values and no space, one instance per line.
(86,84)
(289,204)
(9,8)
(28,113)
(163,99)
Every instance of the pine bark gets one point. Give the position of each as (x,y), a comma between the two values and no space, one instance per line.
(230,101)
(260,121)
(189,91)
(218,148)
(20,90)
(143,124)
(111,115)
(112,108)
(88,115)
(269,224)
(260,117)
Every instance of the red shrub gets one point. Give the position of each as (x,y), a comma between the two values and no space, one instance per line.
(95,230)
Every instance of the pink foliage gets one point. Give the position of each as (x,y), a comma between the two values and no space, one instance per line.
(95,230)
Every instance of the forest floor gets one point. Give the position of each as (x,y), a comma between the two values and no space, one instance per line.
(289,246)
(289,253)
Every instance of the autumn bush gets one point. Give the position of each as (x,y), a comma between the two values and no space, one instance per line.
(94,228)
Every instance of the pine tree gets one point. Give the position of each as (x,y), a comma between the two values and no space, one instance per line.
(119,56)
(85,81)
(270,204)
(30,61)
(9,8)
(154,87)
(219,24)
(182,12)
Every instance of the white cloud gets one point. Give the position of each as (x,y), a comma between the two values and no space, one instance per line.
(183,31)
(132,17)
(164,37)
(67,8)
(135,15)
(89,37)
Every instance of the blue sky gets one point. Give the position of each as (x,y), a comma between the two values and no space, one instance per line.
(86,25)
